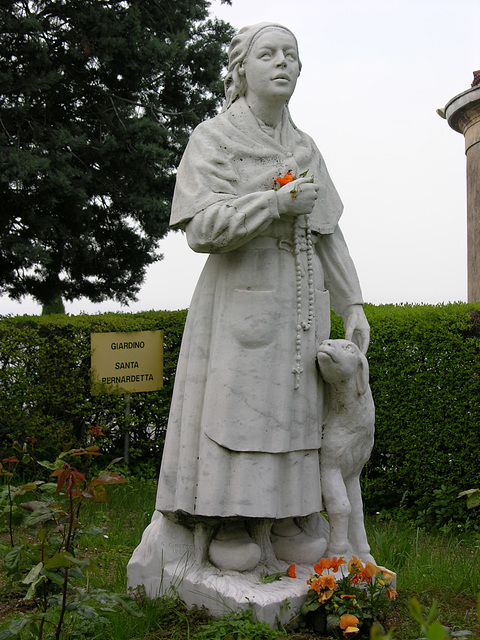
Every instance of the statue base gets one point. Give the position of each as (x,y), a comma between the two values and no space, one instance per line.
(222,592)
(164,563)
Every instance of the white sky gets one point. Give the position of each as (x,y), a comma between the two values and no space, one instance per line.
(374,73)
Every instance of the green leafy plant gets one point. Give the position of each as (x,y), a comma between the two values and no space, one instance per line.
(473,497)
(352,603)
(238,626)
(48,563)
(430,626)
(444,512)
(376,633)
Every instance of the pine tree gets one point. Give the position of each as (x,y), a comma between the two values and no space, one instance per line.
(97,100)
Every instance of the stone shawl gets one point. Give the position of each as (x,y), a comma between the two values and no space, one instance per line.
(241,439)
(230,156)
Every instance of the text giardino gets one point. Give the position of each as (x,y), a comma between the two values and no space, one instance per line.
(128,345)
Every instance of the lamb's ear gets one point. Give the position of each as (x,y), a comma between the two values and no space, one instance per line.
(362,374)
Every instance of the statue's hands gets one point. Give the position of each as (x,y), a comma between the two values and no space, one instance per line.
(356,327)
(297,197)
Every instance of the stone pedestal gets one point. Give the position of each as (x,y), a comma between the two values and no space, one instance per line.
(166,562)
(463,115)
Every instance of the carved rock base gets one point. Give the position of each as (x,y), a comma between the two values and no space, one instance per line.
(222,592)
(166,560)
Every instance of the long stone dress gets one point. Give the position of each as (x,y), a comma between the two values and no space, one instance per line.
(246,414)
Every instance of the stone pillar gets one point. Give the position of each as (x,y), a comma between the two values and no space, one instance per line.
(463,115)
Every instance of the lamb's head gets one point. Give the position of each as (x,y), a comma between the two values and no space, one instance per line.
(341,361)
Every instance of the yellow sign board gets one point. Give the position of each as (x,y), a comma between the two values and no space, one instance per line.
(127,362)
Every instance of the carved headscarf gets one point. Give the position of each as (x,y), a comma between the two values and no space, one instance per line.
(235,84)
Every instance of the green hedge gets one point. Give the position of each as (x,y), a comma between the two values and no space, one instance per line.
(424,374)
(45,384)
(425,379)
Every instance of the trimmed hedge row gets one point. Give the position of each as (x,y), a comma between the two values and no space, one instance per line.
(425,379)
(45,384)
(424,374)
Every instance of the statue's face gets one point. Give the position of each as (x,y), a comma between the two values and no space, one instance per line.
(272,67)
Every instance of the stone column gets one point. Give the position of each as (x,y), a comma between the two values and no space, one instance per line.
(463,115)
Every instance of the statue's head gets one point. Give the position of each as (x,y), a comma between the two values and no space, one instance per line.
(240,47)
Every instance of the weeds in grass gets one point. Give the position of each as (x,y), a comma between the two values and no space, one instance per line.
(238,625)
(393,544)
(430,567)
(48,563)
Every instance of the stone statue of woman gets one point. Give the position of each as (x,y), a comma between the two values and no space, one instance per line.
(240,467)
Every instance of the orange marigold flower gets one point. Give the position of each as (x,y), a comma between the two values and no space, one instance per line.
(329,581)
(11,459)
(371,570)
(356,568)
(348,620)
(349,623)
(391,593)
(322,564)
(355,564)
(291,571)
(336,562)
(313,583)
(387,575)
(326,587)
(288,177)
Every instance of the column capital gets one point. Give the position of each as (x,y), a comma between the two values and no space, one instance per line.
(463,111)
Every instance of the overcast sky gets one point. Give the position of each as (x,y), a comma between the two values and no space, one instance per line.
(374,73)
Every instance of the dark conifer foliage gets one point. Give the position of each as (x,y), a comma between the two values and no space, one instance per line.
(97,100)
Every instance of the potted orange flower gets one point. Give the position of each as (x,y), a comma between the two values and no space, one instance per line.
(345,603)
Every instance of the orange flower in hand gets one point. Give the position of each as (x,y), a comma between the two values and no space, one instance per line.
(288,177)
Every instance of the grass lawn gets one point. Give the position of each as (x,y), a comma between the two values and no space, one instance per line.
(429,567)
